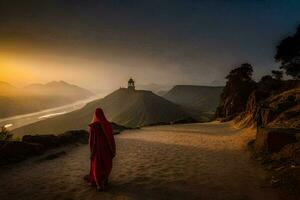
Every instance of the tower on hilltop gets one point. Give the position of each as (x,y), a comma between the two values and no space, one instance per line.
(131,85)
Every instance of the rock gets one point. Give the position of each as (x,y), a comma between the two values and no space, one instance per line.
(272,104)
(279,168)
(272,140)
(275,181)
(15,151)
(51,141)
(74,136)
(287,152)
(251,143)
(267,115)
(234,98)
(47,141)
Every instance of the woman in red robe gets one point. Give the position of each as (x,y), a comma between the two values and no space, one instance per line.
(103,149)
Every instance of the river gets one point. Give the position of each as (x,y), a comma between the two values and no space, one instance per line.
(21,120)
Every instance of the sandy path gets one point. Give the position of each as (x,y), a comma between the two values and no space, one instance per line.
(196,161)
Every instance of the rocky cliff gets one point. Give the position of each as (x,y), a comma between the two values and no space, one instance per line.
(234,99)
(273,108)
(273,104)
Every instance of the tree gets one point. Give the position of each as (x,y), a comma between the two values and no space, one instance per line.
(242,73)
(278,75)
(268,85)
(235,94)
(288,55)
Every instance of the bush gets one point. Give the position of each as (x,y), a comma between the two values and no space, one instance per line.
(5,134)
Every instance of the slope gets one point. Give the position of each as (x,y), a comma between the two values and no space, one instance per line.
(128,108)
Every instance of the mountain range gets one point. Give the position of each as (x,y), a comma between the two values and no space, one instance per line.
(198,101)
(58,88)
(159,89)
(130,108)
(7,89)
(136,108)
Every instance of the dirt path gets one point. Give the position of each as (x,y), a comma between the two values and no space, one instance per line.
(196,161)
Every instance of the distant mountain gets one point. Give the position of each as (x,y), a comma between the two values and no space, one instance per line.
(161,93)
(205,98)
(7,89)
(5,85)
(36,97)
(154,87)
(125,107)
(200,101)
(58,88)
(138,108)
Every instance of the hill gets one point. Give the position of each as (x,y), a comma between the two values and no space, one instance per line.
(58,88)
(5,85)
(15,101)
(7,89)
(199,101)
(158,89)
(130,108)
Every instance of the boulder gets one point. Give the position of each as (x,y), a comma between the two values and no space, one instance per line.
(288,152)
(47,141)
(234,98)
(74,136)
(51,141)
(31,145)
(272,140)
(267,115)
(269,106)
(15,151)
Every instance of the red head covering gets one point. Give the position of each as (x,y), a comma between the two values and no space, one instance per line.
(99,117)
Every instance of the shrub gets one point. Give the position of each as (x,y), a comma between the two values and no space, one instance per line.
(5,134)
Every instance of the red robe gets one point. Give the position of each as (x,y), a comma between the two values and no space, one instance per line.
(102,147)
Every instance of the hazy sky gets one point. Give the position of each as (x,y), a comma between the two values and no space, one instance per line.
(100,44)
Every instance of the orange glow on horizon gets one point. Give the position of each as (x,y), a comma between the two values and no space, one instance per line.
(12,72)
(23,69)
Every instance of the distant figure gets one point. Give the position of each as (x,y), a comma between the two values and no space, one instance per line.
(103,150)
